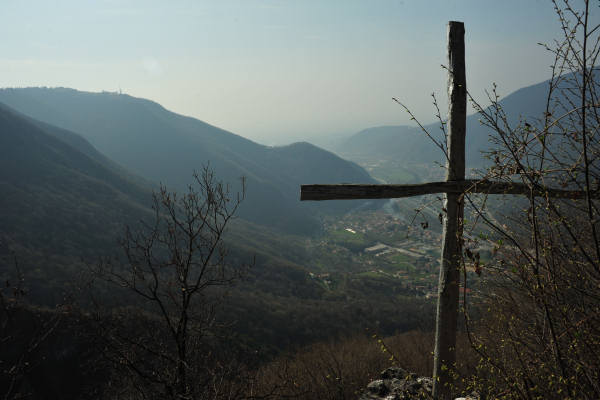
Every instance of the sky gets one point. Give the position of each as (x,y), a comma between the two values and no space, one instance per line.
(275,71)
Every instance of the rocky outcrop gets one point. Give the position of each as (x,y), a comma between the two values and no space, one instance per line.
(396,383)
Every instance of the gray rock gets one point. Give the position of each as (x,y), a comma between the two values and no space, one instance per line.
(378,387)
(399,384)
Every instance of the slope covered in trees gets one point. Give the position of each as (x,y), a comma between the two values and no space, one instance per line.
(162,146)
(64,205)
(61,199)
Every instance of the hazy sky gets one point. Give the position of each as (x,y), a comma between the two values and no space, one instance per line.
(274,70)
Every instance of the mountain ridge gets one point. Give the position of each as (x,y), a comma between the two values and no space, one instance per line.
(162,146)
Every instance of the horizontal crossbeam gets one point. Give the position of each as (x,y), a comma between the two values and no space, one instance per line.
(359,191)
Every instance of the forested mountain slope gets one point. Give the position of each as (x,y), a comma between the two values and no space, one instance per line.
(162,146)
(64,205)
(60,200)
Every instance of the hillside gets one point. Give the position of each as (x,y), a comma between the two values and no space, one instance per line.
(162,146)
(64,205)
(60,200)
(409,145)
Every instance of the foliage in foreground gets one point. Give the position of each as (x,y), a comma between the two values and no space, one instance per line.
(540,336)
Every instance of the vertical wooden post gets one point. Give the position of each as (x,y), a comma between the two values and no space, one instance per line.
(448,288)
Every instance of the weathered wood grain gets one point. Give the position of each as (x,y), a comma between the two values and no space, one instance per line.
(360,191)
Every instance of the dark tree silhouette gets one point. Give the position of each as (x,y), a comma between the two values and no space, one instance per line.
(177,267)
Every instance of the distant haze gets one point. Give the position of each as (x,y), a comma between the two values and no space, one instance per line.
(274,71)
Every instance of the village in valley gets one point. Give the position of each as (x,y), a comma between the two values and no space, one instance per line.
(379,248)
(398,245)
(376,247)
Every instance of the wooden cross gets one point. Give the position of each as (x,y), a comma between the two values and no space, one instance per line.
(453,188)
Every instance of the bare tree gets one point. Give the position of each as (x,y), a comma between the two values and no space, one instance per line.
(540,334)
(177,267)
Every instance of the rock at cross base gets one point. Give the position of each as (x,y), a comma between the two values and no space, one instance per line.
(396,383)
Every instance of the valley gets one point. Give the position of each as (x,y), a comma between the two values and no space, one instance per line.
(73,184)
(66,207)
(157,241)
(344,256)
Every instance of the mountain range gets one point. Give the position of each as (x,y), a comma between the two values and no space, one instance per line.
(73,151)
(162,146)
